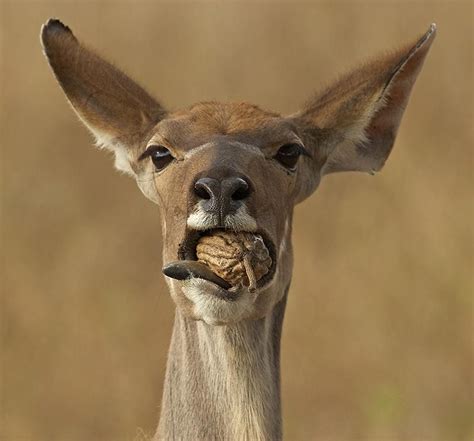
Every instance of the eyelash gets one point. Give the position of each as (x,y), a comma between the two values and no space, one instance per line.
(289,154)
(303,152)
(160,156)
(148,152)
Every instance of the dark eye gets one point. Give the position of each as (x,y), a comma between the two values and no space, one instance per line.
(160,156)
(288,155)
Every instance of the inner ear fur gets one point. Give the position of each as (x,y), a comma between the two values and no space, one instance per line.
(352,124)
(116,110)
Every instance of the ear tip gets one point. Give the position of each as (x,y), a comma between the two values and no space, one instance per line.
(55,25)
(432,30)
(429,34)
(423,44)
(54,28)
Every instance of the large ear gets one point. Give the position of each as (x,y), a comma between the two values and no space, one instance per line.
(352,124)
(116,110)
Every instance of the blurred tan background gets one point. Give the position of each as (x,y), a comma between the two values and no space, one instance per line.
(378,332)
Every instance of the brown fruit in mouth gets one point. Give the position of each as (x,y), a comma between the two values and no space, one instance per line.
(235,257)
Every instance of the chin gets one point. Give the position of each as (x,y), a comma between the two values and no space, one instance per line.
(217,306)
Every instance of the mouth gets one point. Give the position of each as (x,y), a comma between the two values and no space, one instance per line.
(189,267)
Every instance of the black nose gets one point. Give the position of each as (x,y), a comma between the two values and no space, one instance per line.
(220,195)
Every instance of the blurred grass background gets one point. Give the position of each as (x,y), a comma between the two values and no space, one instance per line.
(378,332)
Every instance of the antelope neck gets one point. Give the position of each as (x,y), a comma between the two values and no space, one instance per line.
(223,382)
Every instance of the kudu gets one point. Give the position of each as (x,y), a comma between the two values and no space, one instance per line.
(231,166)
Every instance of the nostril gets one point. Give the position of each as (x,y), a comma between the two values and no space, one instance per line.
(202,191)
(241,189)
(207,188)
(240,194)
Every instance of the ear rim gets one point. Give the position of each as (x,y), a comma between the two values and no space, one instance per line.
(306,117)
(56,39)
(423,44)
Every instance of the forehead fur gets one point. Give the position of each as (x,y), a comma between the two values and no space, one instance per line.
(208,121)
(225,118)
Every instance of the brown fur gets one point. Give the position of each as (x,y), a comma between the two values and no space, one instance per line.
(222,382)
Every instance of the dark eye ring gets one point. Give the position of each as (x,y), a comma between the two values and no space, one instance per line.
(288,155)
(160,156)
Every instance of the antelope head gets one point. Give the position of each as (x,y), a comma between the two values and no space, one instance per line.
(233,165)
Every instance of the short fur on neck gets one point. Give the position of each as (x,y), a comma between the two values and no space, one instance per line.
(224,381)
